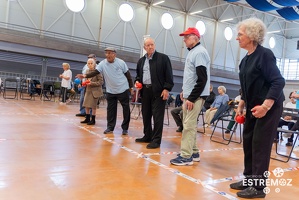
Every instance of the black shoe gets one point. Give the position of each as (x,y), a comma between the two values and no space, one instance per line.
(238,186)
(251,193)
(153,145)
(227,131)
(108,131)
(180,129)
(80,115)
(91,122)
(142,140)
(125,132)
(289,144)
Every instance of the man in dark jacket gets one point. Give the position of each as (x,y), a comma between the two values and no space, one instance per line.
(209,100)
(154,71)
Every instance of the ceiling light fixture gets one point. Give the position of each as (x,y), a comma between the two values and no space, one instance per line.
(159,2)
(226,20)
(274,31)
(193,13)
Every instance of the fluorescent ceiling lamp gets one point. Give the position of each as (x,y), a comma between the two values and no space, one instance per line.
(273,31)
(193,13)
(226,20)
(159,2)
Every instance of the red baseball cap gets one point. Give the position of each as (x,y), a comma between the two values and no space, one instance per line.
(191,30)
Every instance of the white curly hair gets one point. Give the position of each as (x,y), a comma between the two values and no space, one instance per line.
(255,29)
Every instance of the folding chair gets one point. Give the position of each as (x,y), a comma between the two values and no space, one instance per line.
(47,92)
(203,121)
(167,114)
(26,90)
(136,104)
(223,115)
(295,115)
(10,88)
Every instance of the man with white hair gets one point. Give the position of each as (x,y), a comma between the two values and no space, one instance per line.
(196,88)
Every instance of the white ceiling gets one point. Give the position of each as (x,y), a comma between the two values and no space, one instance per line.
(220,10)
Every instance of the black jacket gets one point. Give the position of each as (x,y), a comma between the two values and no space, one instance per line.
(161,73)
(260,78)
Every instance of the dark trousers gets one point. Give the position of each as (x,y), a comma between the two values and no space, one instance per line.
(258,136)
(231,123)
(285,123)
(124,100)
(295,127)
(152,107)
(177,114)
(63,94)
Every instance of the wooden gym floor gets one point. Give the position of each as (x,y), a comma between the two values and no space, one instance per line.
(45,154)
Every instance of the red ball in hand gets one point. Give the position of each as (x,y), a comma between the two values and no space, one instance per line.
(240,119)
(139,85)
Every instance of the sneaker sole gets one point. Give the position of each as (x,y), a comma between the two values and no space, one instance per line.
(196,159)
(183,164)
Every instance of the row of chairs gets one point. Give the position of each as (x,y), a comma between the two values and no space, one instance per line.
(28,89)
(283,154)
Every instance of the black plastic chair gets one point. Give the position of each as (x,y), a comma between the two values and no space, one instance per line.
(10,88)
(47,92)
(224,116)
(295,115)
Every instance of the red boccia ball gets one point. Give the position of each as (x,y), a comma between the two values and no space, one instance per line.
(139,85)
(240,119)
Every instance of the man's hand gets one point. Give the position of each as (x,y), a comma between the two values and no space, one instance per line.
(165,94)
(189,105)
(80,76)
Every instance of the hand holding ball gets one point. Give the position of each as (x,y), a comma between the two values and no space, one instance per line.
(240,119)
(85,82)
(138,85)
(77,81)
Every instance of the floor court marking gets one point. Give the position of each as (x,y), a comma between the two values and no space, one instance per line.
(141,155)
(200,151)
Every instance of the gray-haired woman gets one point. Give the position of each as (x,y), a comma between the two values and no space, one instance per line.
(262,93)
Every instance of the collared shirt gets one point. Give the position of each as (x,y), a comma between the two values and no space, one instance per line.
(146,70)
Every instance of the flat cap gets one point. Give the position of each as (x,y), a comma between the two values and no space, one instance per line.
(110,49)
(91,56)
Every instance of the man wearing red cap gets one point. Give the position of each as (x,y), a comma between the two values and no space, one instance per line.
(196,88)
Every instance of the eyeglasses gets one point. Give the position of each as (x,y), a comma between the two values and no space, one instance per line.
(187,36)
(240,35)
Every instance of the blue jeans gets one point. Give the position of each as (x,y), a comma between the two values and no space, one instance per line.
(82,93)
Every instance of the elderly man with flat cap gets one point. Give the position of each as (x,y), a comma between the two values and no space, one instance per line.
(118,82)
(196,88)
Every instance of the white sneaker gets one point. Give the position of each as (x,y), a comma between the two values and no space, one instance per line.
(62,103)
(68,101)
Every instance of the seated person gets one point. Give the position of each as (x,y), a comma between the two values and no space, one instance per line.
(288,121)
(232,123)
(222,98)
(177,114)
(209,100)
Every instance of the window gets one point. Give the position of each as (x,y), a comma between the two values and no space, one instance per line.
(75,5)
(272,42)
(201,27)
(228,33)
(167,21)
(126,12)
